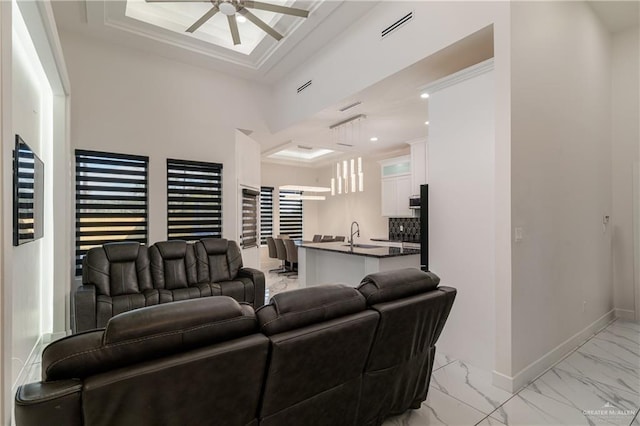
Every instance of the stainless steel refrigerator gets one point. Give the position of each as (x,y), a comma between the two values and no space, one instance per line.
(424,227)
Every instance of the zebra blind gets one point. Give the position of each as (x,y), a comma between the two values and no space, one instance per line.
(266,213)
(290,215)
(111,200)
(249,236)
(194,200)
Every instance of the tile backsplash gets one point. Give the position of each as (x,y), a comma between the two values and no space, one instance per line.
(404,228)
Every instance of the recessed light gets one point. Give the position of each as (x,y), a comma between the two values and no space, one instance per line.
(424,95)
(374,139)
(426,122)
(241,19)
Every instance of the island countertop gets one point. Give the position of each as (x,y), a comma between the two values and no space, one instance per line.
(371,251)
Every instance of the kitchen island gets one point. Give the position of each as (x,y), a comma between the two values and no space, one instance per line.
(331,263)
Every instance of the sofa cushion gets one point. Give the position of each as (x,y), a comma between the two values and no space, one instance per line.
(211,256)
(306,306)
(148,333)
(173,264)
(397,284)
(117,268)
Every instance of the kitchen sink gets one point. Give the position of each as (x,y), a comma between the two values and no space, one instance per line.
(366,246)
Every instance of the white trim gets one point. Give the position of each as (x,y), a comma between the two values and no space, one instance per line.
(542,364)
(627,314)
(458,77)
(52,337)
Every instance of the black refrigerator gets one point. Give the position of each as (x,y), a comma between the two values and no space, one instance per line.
(424,227)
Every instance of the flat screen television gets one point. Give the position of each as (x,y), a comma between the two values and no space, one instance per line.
(28,194)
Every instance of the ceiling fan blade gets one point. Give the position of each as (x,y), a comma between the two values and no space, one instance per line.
(260,24)
(276,8)
(203,19)
(233,26)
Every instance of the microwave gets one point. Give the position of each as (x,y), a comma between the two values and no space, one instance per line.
(414,202)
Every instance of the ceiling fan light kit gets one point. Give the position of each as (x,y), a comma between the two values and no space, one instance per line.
(231,8)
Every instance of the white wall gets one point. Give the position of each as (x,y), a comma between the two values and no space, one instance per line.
(336,213)
(625,114)
(247,156)
(461,213)
(560,177)
(32,116)
(128,101)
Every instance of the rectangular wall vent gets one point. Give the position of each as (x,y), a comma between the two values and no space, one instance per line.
(400,22)
(304,86)
(353,105)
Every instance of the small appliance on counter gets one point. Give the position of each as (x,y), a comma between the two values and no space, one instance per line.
(414,202)
(424,227)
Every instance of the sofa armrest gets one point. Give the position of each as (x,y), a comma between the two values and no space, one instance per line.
(258,282)
(85,308)
(49,403)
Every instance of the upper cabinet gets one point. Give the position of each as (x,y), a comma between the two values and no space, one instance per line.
(396,187)
(419,161)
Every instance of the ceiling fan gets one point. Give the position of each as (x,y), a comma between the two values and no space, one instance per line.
(231,7)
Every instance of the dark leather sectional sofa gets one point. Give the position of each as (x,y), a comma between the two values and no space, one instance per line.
(326,355)
(119,277)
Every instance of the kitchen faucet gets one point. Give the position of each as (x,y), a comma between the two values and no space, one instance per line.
(357,233)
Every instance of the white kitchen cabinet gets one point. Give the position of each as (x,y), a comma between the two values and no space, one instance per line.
(396,187)
(419,163)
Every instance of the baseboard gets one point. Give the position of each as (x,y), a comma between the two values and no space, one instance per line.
(627,314)
(545,362)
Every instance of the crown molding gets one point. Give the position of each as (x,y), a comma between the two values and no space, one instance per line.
(458,77)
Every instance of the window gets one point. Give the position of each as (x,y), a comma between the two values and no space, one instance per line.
(249,236)
(194,200)
(266,213)
(291,215)
(111,200)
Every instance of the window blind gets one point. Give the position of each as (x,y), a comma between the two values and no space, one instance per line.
(111,200)
(266,213)
(249,236)
(290,215)
(194,200)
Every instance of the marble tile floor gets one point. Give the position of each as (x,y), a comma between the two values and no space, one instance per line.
(276,283)
(597,384)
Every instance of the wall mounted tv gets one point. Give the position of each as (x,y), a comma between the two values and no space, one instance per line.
(28,194)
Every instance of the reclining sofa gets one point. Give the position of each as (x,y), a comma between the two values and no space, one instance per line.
(119,277)
(325,355)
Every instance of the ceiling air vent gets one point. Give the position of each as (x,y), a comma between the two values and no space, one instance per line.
(344,144)
(353,105)
(304,86)
(308,148)
(400,22)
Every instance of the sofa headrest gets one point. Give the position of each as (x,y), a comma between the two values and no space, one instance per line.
(396,284)
(215,245)
(147,333)
(306,306)
(122,251)
(176,249)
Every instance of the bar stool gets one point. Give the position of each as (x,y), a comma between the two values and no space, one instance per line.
(327,238)
(317,238)
(292,257)
(273,254)
(338,238)
(282,254)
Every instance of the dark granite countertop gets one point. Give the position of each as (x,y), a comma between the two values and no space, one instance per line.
(373,251)
(396,240)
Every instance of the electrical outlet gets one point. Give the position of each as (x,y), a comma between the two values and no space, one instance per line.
(519,234)
(401,228)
